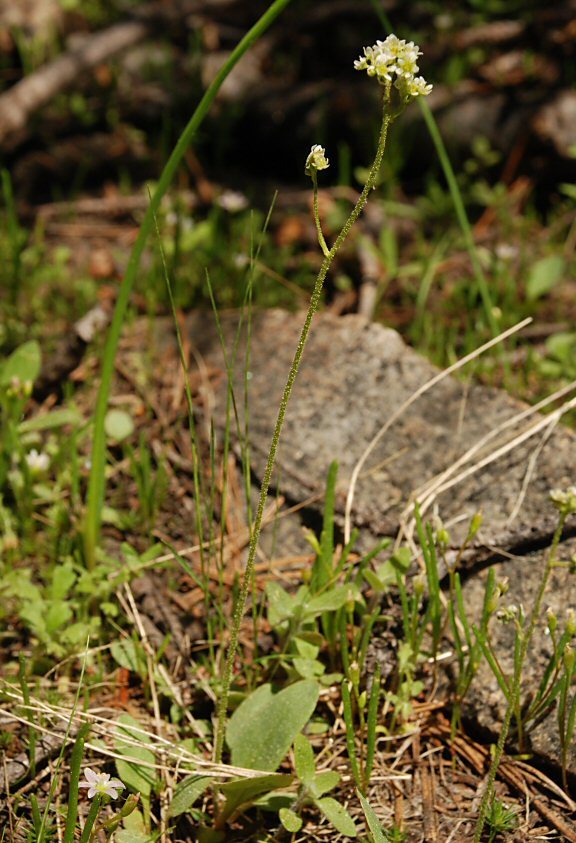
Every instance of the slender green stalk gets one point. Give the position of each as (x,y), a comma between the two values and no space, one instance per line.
(323,246)
(314,302)
(96,484)
(75,767)
(32,733)
(87,833)
(350,732)
(371,723)
(42,834)
(514,699)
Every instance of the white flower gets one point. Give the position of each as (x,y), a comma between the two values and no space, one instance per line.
(418,87)
(37,462)
(564,500)
(410,87)
(395,60)
(317,159)
(101,784)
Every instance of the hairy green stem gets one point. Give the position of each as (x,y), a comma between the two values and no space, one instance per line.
(255,535)
(323,246)
(514,699)
(96,483)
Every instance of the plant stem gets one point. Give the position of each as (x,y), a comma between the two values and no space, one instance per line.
(314,302)
(88,831)
(514,699)
(323,246)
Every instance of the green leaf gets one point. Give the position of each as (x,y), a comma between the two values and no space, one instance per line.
(322,568)
(291,821)
(57,616)
(308,668)
(562,346)
(63,578)
(323,782)
(544,275)
(129,655)
(186,794)
(245,791)
(118,425)
(48,421)
(305,648)
(24,364)
(263,727)
(337,815)
(139,777)
(281,605)
(331,601)
(304,759)
(372,820)
(401,559)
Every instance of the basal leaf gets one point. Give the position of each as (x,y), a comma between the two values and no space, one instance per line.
(23,364)
(245,791)
(291,821)
(281,605)
(372,820)
(263,727)
(140,777)
(323,782)
(304,759)
(544,275)
(186,794)
(48,421)
(337,815)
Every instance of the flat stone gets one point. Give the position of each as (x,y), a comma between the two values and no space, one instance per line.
(354,376)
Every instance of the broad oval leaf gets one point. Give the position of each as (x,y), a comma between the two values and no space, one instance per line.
(135,768)
(263,727)
(24,364)
(544,275)
(245,791)
(323,782)
(337,815)
(291,821)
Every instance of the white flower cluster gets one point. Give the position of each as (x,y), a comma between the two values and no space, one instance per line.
(564,500)
(395,60)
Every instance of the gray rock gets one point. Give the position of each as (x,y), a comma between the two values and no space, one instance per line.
(354,377)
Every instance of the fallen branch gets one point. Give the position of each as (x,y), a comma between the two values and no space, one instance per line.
(37,90)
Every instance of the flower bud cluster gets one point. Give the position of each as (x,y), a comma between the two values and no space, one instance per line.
(395,61)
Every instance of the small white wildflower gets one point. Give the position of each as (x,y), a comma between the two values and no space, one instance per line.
(564,500)
(317,159)
(100,784)
(232,201)
(395,60)
(418,87)
(37,462)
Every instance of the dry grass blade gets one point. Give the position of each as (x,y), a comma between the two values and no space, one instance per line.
(426,387)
